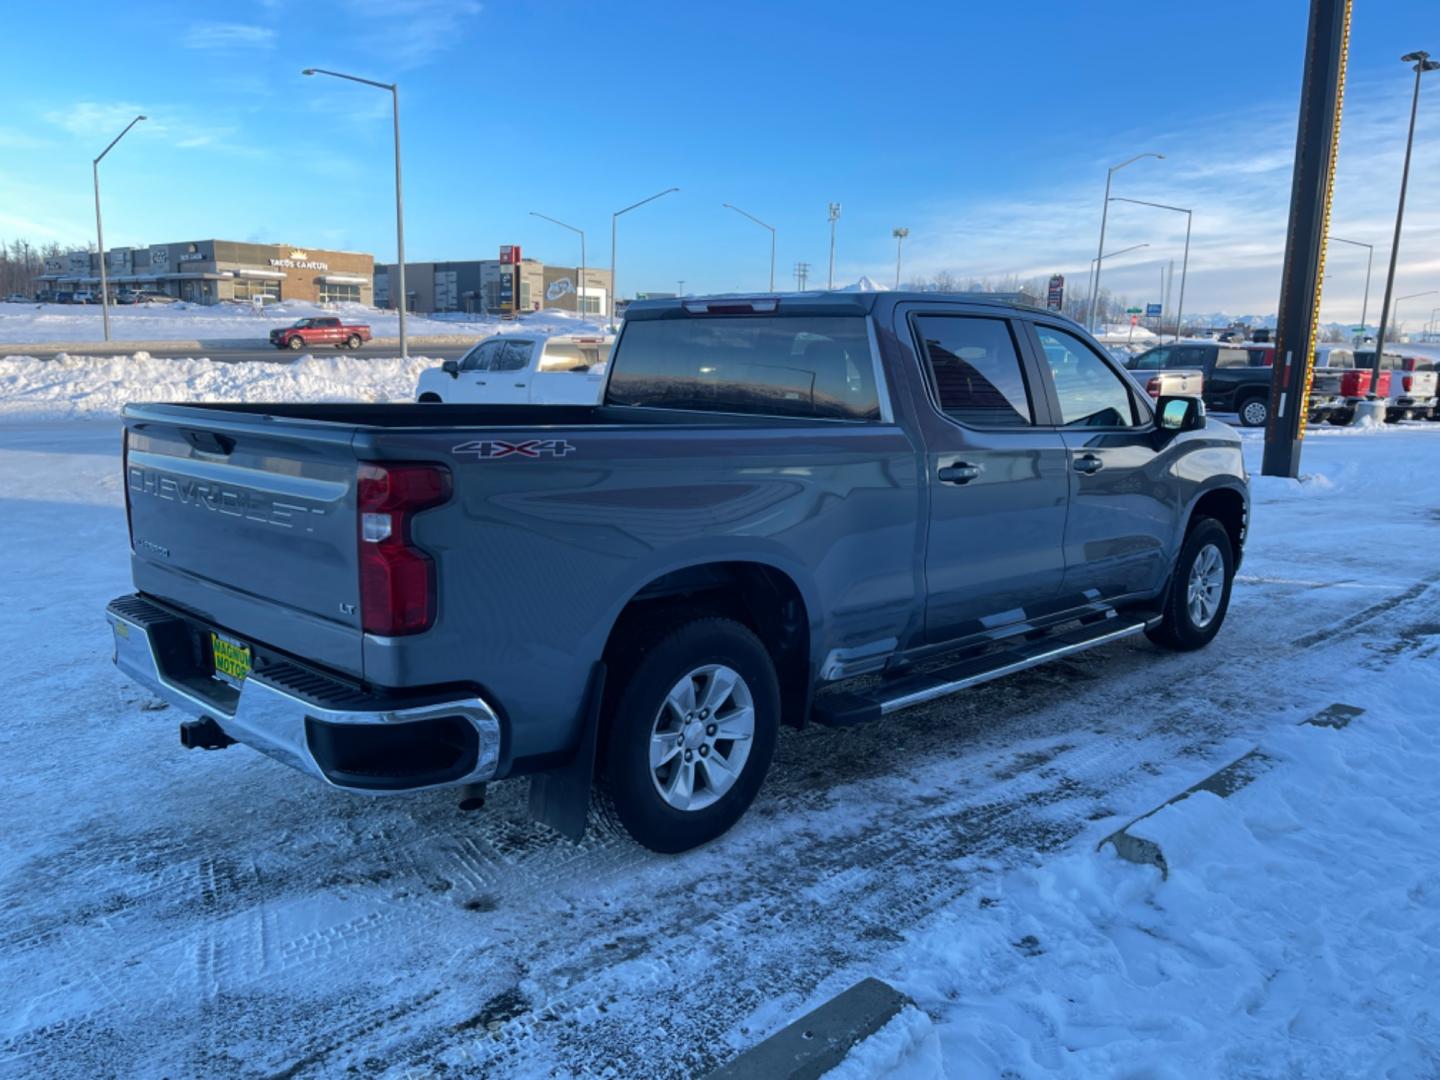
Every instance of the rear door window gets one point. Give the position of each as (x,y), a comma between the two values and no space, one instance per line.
(1232,358)
(1187,357)
(1153,360)
(975,370)
(782,365)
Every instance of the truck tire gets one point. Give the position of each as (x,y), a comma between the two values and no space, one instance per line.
(295,344)
(429,399)
(1254,411)
(353,341)
(1198,595)
(667,770)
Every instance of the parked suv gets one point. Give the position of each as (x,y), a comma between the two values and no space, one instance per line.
(813,508)
(1236,377)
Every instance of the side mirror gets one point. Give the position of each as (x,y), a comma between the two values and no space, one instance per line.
(451,368)
(1180,413)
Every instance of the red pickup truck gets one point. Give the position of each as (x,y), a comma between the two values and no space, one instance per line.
(321,330)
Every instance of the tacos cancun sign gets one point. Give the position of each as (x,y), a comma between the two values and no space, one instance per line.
(299,264)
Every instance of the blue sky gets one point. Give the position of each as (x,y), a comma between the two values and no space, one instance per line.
(986,129)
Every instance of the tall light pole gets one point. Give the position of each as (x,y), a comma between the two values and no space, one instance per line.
(1184,266)
(899,235)
(399,200)
(580,301)
(614,291)
(1430,326)
(1422,63)
(100,229)
(762,224)
(1369,262)
(1104,215)
(1395,308)
(834,217)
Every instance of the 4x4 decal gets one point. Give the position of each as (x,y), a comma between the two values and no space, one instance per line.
(489,449)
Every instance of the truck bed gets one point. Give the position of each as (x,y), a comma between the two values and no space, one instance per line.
(443,416)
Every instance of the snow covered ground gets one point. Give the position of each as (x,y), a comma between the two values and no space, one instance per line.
(185,914)
(36,323)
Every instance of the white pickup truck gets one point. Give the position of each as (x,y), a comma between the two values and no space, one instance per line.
(522,369)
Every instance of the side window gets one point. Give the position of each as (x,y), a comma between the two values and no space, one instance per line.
(1232,358)
(975,369)
(481,357)
(1153,360)
(1090,393)
(1186,357)
(514,357)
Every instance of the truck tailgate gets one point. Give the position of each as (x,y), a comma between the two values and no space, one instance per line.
(249,523)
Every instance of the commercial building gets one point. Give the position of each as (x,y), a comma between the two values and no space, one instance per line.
(479,286)
(211,271)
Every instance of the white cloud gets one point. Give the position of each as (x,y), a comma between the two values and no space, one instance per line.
(408,33)
(228,36)
(1241,200)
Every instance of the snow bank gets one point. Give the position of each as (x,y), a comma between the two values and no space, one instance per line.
(98,387)
(36,323)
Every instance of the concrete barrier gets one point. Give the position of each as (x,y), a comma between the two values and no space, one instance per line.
(819,1040)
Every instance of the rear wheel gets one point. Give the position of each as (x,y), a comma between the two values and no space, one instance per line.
(688,733)
(1254,412)
(1341,417)
(353,341)
(295,344)
(1199,593)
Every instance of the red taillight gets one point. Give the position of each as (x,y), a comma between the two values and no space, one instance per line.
(1407,382)
(1153,386)
(397,579)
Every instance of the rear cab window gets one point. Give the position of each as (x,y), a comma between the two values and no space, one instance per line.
(802,365)
(575,356)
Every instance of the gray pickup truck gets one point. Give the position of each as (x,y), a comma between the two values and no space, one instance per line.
(776,497)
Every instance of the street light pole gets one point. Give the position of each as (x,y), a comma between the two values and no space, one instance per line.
(1395,308)
(581,293)
(762,224)
(1100,248)
(613,219)
(399,198)
(1185,264)
(100,230)
(1369,261)
(834,217)
(900,235)
(1422,63)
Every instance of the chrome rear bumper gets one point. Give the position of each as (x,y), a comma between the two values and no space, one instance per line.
(331,731)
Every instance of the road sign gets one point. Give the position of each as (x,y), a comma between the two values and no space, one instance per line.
(1152,311)
(1055,300)
(1132,311)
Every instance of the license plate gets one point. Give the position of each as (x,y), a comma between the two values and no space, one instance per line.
(231,659)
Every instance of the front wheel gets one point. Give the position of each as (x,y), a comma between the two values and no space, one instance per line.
(1199,592)
(295,344)
(689,733)
(1254,412)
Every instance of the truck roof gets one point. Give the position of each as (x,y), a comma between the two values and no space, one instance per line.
(822,302)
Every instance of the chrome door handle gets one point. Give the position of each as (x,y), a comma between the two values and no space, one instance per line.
(958,473)
(1088,464)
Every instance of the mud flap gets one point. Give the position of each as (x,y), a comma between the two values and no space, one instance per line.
(560,798)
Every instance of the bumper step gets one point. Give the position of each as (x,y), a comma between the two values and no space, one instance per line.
(843,709)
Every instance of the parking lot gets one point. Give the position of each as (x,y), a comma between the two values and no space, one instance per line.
(173,913)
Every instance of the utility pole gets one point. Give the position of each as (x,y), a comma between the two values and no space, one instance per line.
(802,275)
(1322,94)
(834,217)
(681,283)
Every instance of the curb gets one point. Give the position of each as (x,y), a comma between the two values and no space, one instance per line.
(1224,782)
(819,1040)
